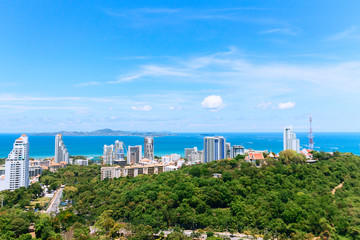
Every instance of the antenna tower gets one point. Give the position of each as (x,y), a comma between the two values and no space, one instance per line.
(311,136)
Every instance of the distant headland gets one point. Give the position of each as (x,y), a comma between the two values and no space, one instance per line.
(106,132)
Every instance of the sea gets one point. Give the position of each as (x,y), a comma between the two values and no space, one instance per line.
(92,146)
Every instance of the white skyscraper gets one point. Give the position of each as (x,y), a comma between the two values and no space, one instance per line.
(134,154)
(61,153)
(108,154)
(228,150)
(289,140)
(149,148)
(237,150)
(17,165)
(214,148)
(119,154)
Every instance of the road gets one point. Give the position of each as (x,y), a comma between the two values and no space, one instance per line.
(55,202)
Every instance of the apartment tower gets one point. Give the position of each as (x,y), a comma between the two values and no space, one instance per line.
(214,148)
(17,165)
(61,153)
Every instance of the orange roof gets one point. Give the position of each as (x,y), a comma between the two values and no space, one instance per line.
(19,139)
(45,167)
(256,156)
(24,135)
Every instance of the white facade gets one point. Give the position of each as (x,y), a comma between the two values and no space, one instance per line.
(149,148)
(119,153)
(108,154)
(114,154)
(290,141)
(193,155)
(81,162)
(170,158)
(214,148)
(17,165)
(237,150)
(61,153)
(228,150)
(134,154)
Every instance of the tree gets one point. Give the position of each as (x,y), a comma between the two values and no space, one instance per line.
(290,156)
(43,227)
(105,222)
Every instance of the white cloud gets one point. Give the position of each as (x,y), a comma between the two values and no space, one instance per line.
(142,108)
(264,105)
(286,105)
(112,117)
(92,83)
(213,103)
(286,31)
(352,32)
(171,107)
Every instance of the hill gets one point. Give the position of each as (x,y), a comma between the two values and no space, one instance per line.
(104,132)
(281,199)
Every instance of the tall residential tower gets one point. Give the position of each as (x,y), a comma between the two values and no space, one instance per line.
(290,141)
(214,148)
(134,154)
(149,148)
(61,153)
(17,165)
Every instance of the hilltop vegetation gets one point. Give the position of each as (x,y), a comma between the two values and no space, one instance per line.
(280,199)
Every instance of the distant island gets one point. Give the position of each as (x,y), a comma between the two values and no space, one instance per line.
(106,132)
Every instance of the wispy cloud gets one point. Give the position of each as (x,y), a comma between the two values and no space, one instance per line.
(145,108)
(264,105)
(92,83)
(42,107)
(152,71)
(167,16)
(351,33)
(286,31)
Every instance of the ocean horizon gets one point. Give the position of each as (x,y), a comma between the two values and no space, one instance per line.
(92,146)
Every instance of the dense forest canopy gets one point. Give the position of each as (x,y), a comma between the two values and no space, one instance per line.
(284,198)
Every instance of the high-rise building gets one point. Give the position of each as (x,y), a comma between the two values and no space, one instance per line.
(194,155)
(290,141)
(237,150)
(214,148)
(61,153)
(134,154)
(108,154)
(228,150)
(119,153)
(149,148)
(188,151)
(17,165)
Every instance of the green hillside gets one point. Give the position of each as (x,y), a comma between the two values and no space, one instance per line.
(280,199)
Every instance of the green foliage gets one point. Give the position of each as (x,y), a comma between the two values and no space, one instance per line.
(290,156)
(43,227)
(284,199)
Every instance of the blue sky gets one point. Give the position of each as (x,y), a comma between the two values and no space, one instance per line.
(181,66)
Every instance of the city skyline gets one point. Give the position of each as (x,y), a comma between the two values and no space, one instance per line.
(253,66)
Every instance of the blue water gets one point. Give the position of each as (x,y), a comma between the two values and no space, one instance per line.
(43,146)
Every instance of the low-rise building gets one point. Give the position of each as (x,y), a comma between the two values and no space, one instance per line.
(35,171)
(55,166)
(111,172)
(253,157)
(82,162)
(136,170)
